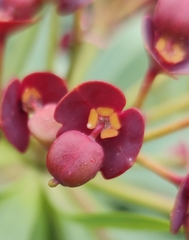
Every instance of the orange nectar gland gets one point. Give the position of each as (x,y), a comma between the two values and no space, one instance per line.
(30,97)
(169,51)
(106,116)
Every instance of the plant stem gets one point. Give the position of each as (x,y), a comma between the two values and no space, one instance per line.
(83,55)
(169,128)
(146,85)
(131,194)
(159,170)
(168,107)
(77,27)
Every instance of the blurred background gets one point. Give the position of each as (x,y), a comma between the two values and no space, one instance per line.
(133,206)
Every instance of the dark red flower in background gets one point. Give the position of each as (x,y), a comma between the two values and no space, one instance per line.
(95,110)
(179,214)
(15,14)
(70,6)
(38,94)
(166,36)
(22,9)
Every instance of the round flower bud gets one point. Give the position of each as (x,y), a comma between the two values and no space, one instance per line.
(68,7)
(171,18)
(74,158)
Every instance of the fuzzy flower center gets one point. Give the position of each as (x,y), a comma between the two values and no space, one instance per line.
(171,52)
(108,118)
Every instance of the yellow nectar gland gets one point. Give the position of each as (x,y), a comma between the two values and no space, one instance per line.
(105,116)
(30,96)
(169,51)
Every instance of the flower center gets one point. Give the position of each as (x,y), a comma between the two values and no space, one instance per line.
(31,100)
(171,52)
(108,118)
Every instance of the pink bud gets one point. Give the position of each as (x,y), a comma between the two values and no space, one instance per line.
(74,158)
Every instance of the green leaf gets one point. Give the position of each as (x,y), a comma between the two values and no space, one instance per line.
(19,210)
(122,220)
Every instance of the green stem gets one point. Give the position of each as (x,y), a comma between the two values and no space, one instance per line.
(132,194)
(159,170)
(168,107)
(146,85)
(167,129)
(83,55)
(53,39)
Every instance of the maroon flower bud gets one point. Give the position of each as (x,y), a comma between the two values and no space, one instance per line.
(166,36)
(171,18)
(22,9)
(73,159)
(70,6)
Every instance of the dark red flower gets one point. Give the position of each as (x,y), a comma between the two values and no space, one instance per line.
(70,6)
(15,14)
(95,110)
(179,214)
(166,36)
(38,93)
(22,9)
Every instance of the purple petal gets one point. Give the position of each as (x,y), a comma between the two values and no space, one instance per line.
(14,120)
(73,111)
(102,94)
(180,206)
(121,151)
(51,87)
(181,68)
(148,34)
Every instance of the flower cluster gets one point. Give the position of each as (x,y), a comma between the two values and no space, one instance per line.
(87,130)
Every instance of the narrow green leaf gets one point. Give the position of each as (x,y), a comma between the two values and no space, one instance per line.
(122,220)
(19,210)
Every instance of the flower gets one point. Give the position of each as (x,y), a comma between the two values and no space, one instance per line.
(71,6)
(37,94)
(166,36)
(179,214)
(22,9)
(93,110)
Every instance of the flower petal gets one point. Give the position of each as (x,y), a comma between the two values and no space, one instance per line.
(14,120)
(51,87)
(181,68)
(102,94)
(149,41)
(73,110)
(121,151)
(180,206)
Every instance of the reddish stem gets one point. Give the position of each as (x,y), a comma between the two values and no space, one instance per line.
(146,85)
(97,131)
